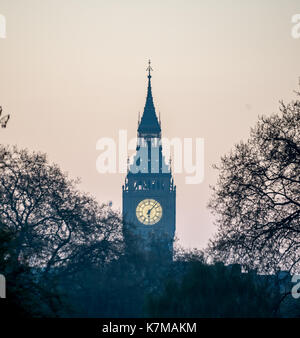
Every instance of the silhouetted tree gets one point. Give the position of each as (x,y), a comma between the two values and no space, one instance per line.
(27,294)
(257,197)
(52,221)
(53,228)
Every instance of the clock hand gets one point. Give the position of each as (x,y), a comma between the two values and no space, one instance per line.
(148,212)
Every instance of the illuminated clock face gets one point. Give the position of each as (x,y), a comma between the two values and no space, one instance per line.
(149,211)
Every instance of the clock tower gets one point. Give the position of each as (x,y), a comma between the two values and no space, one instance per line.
(149,193)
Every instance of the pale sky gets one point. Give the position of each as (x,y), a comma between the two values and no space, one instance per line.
(73,71)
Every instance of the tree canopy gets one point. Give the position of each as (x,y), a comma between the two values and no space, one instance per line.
(48,228)
(51,219)
(257,196)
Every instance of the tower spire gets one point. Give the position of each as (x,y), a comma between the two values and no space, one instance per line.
(149,125)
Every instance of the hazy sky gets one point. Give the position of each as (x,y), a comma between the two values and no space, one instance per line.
(73,71)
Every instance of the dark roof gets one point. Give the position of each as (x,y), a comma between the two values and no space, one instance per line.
(149,125)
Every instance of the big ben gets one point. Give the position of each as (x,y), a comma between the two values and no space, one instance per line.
(149,193)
